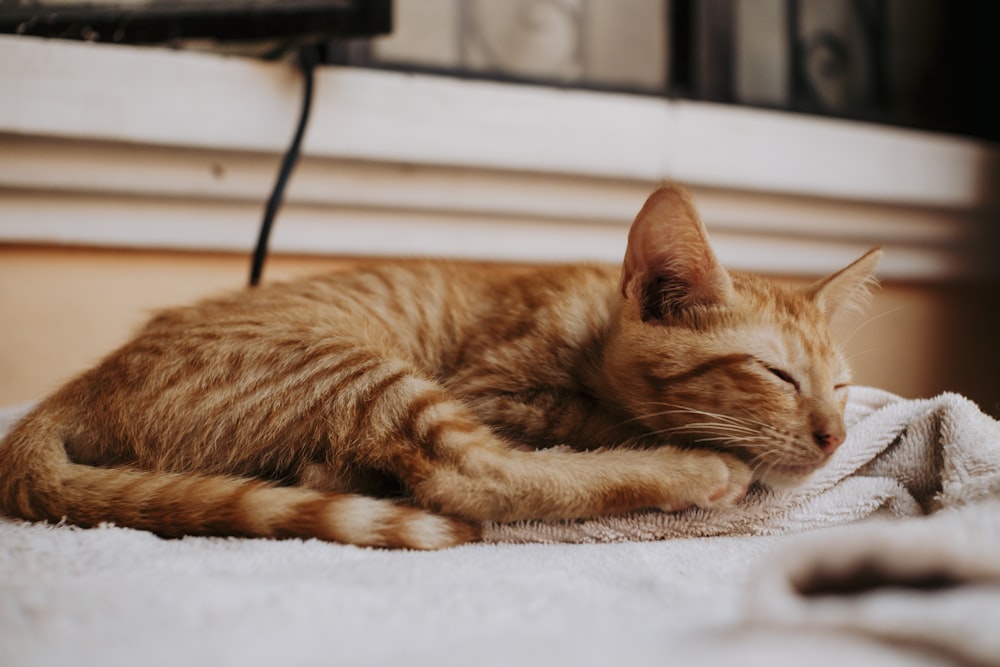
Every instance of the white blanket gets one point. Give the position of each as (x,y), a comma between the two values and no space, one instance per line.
(730,588)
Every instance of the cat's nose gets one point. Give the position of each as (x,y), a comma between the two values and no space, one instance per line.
(828,442)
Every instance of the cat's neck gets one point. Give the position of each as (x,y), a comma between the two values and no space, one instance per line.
(590,374)
(550,324)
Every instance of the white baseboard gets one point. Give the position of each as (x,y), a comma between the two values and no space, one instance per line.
(128,147)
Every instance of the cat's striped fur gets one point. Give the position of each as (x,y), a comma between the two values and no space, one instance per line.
(402,404)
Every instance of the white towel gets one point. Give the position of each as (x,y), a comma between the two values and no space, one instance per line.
(901,458)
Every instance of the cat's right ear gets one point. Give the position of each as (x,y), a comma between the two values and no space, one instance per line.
(848,289)
(669,265)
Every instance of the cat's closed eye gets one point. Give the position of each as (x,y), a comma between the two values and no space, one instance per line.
(784,376)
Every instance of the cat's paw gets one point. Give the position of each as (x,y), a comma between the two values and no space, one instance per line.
(735,488)
(712,480)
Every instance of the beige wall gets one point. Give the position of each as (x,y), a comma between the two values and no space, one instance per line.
(61,309)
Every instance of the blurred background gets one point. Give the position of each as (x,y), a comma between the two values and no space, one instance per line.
(915,63)
(139,140)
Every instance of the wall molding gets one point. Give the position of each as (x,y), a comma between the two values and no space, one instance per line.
(128,147)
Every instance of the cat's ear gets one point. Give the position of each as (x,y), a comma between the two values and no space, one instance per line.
(848,289)
(669,265)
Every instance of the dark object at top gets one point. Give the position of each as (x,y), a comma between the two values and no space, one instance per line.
(158,21)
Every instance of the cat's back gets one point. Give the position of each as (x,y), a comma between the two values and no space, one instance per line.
(422,293)
(422,309)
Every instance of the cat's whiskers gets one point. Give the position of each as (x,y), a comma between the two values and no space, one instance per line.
(758,465)
(734,428)
(708,432)
(744,420)
(758,440)
(861,353)
(719,428)
(759,446)
(764,449)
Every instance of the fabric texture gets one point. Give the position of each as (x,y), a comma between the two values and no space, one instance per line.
(913,578)
(930,584)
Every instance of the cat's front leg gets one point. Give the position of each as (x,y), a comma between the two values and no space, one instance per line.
(489,483)
(449,461)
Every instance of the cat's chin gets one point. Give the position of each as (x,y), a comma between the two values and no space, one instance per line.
(781,479)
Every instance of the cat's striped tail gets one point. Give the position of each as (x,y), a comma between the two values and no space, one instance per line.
(39,482)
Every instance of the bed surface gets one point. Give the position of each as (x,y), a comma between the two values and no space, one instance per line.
(113,596)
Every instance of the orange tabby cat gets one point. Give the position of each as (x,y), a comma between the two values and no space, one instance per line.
(403,404)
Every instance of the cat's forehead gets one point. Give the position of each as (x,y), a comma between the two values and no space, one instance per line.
(782,321)
(773,298)
(781,342)
(777,304)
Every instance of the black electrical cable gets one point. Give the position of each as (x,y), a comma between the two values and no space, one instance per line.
(308,57)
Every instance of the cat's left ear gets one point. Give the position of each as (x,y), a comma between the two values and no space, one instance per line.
(848,289)
(669,264)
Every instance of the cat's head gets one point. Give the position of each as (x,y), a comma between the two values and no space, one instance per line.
(708,357)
